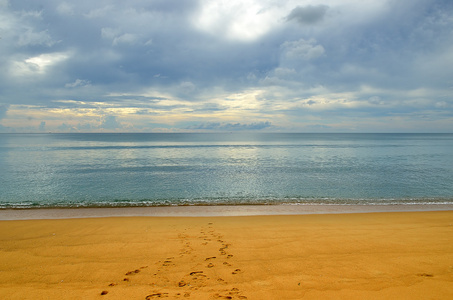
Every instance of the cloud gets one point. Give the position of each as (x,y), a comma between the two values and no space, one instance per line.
(65,127)
(42,126)
(442,104)
(3,110)
(21,28)
(225,62)
(308,15)
(78,83)
(110,122)
(118,37)
(33,38)
(37,65)
(186,87)
(376,100)
(234,19)
(302,50)
(65,9)
(318,127)
(231,126)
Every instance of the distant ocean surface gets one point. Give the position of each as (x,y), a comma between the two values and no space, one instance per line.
(155,169)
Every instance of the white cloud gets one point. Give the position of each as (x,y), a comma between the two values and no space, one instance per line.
(65,8)
(442,104)
(231,126)
(30,37)
(118,37)
(30,14)
(110,122)
(37,64)
(244,20)
(126,38)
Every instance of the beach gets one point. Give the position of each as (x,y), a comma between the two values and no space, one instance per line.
(362,255)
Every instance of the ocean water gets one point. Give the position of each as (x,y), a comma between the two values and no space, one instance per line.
(91,170)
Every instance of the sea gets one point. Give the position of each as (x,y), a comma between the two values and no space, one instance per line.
(69,170)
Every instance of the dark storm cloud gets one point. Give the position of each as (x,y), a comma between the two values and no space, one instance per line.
(308,15)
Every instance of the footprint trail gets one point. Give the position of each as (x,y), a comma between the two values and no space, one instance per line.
(209,269)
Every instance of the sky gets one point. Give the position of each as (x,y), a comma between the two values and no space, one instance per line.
(236,65)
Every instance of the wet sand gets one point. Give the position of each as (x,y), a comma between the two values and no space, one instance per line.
(373,255)
(210,211)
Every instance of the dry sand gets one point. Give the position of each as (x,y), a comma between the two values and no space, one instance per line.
(393,255)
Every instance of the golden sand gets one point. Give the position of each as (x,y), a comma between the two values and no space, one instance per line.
(337,256)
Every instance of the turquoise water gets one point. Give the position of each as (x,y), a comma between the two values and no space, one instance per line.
(73,170)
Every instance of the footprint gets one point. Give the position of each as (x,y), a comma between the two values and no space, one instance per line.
(210,265)
(234,292)
(218,296)
(237,271)
(182,283)
(157,295)
(104,293)
(195,273)
(209,258)
(133,272)
(425,275)
(167,263)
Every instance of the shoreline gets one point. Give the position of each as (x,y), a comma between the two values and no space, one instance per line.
(212,211)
